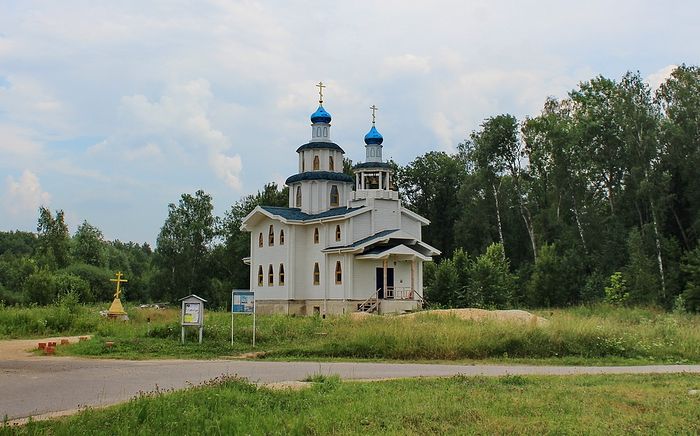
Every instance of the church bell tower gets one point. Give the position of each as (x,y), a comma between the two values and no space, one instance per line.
(374,177)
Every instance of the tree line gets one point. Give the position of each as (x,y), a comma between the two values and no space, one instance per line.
(595,198)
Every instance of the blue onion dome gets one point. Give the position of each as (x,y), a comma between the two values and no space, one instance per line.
(320,116)
(373,137)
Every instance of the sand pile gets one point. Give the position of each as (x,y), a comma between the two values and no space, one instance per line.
(519,316)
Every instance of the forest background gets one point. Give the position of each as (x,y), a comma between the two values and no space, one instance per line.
(597,198)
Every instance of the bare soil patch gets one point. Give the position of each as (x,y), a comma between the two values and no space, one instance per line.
(517,316)
(21,349)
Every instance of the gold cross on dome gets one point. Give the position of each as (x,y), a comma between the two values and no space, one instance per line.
(320,92)
(374,113)
(119,281)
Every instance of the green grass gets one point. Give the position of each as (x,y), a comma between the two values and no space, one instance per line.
(583,335)
(621,404)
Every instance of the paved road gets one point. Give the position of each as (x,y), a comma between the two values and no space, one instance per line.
(45,385)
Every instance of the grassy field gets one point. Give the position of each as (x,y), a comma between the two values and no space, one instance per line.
(598,334)
(621,404)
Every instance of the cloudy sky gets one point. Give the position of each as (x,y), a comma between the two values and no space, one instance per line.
(111,110)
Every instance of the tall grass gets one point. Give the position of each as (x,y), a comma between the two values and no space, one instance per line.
(598,332)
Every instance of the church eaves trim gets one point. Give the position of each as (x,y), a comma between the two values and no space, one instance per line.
(295,214)
(369,239)
(364,165)
(315,145)
(320,175)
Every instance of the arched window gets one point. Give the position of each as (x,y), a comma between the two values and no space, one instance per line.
(338,273)
(335,198)
(282,237)
(337,233)
(317,163)
(281,274)
(331,166)
(317,274)
(325,131)
(260,243)
(271,236)
(303,163)
(298,200)
(316,235)
(260,276)
(270,276)
(318,131)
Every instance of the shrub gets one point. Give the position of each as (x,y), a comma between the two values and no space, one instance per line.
(618,292)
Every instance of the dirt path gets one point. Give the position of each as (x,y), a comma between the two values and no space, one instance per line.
(21,349)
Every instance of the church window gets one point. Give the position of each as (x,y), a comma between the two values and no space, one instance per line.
(335,198)
(270,276)
(271,236)
(282,237)
(338,273)
(298,200)
(318,131)
(260,276)
(337,233)
(316,238)
(281,274)
(325,131)
(317,274)
(317,163)
(331,166)
(260,240)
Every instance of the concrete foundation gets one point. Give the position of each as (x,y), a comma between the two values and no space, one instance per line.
(329,307)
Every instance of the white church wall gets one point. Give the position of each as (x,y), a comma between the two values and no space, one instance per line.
(335,290)
(361,226)
(267,255)
(386,215)
(411,226)
(364,278)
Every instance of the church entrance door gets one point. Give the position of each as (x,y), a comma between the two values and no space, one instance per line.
(389,282)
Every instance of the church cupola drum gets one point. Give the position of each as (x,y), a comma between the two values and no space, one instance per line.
(320,184)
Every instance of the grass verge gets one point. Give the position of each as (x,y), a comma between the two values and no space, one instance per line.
(583,335)
(620,404)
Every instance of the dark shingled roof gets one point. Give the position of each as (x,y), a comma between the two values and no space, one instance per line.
(294,213)
(312,145)
(320,175)
(367,239)
(383,165)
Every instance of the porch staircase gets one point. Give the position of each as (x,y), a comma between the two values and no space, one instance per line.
(368,306)
(371,304)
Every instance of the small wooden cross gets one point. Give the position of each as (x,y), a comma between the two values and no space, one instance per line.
(119,281)
(320,92)
(374,113)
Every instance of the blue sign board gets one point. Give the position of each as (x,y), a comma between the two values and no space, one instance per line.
(243,302)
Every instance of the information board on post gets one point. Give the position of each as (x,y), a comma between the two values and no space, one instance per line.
(243,302)
(192,313)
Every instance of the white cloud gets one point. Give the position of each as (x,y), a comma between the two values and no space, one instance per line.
(656,79)
(405,64)
(179,122)
(149,150)
(227,168)
(17,146)
(25,195)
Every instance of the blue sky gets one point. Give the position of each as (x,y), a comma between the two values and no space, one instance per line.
(112,110)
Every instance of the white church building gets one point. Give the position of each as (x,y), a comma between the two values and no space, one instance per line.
(344,244)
